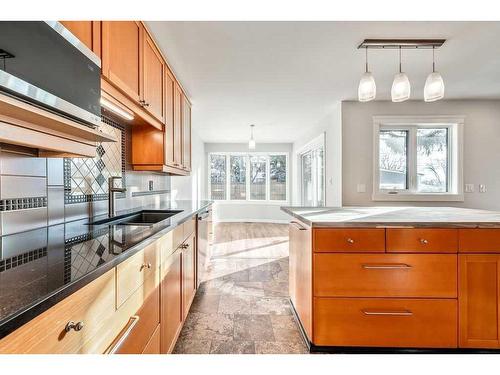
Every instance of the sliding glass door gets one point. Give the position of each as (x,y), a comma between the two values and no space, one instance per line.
(312,171)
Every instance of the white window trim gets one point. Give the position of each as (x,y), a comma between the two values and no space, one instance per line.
(267,201)
(455,178)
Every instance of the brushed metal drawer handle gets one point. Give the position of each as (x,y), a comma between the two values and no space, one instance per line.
(423,241)
(78,326)
(146,265)
(297,225)
(350,240)
(393,266)
(117,342)
(390,313)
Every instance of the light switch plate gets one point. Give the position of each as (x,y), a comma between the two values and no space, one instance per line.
(469,188)
(361,188)
(482,188)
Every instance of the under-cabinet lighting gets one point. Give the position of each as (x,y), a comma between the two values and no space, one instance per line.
(116,109)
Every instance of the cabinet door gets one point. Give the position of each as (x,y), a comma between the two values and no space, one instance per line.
(122,56)
(89,33)
(186,134)
(177,126)
(153,79)
(478,298)
(188,273)
(171,301)
(169,134)
(300,274)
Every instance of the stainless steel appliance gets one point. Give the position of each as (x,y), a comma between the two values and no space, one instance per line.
(204,243)
(43,64)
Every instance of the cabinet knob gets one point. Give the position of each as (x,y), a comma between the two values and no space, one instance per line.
(146,265)
(423,241)
(350,240)
(78,326)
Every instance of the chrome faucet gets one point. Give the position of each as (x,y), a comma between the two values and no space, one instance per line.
(111,195)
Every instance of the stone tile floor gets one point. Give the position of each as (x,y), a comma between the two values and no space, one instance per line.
(243,306)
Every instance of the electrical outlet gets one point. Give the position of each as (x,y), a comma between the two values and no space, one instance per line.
(482,188)
(361,188)
(469,188)
(150,185)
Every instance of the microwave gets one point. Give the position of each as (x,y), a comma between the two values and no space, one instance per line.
(44,64)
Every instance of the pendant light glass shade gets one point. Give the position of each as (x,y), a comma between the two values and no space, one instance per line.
(401,88)
(434,85)
(251,142)
(367,90)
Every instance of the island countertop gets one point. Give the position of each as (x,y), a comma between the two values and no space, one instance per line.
(382,217)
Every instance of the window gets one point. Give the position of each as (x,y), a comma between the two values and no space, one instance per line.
(256,177)
(418,158)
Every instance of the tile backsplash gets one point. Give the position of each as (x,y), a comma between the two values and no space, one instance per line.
(35,192)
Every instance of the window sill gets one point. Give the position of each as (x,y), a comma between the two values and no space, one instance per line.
(422,197)
(245,202)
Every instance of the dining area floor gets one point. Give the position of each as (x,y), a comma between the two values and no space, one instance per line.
(242,307)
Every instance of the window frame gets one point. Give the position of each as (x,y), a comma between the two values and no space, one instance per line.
(454,124)
(247,155)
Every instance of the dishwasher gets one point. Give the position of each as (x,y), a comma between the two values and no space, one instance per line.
(205,235)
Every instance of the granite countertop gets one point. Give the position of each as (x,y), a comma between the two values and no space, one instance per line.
(442,217)
(39,268)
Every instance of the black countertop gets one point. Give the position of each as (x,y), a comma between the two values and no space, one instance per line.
(41,267)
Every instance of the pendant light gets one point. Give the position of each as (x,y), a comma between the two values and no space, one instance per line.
(367,90)
(251,142)
(401,85)
(434,85)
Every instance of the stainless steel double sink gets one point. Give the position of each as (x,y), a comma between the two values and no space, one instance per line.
(143,217)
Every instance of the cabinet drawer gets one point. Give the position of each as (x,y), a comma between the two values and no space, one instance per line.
(93,306)
(479,240)
(349,240)
(189,227)
(139,329)
(378,322)
(385,275)
(132,273)
(422,240)
(165,247)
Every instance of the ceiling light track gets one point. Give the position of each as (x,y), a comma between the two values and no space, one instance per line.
(401,43)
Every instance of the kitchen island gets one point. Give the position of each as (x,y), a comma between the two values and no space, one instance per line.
(396,278)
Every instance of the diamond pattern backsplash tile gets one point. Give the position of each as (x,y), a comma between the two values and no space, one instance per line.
(86,179)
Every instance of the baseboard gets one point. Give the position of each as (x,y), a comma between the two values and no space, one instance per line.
(251,221)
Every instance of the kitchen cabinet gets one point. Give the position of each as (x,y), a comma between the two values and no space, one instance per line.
(122,56)
(479,300)
(169,137)
(88,32)
(188,273)
(178,126)
(186,134)
(171,301)
(153,79)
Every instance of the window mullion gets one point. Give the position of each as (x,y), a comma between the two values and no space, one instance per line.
(228,177)
(412,159)
(247,177)
(268,178)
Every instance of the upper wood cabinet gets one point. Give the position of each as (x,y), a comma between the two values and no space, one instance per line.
(89,33)
(154,89)
(479,301)
(177,126)
(186,134)
(169,141)
(122,56)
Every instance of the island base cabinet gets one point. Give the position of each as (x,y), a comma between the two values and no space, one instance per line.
(379,322)
(479,301)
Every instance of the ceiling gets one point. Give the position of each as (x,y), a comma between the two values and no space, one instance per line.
(287,76)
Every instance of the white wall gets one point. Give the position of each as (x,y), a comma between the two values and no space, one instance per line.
(331,125)
(192,186)
(481,147)
(233,211)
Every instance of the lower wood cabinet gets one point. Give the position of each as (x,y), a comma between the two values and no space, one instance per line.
(479,300)
(153,346)
(137,333)
(188,273)
(385,322)
(171,301)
